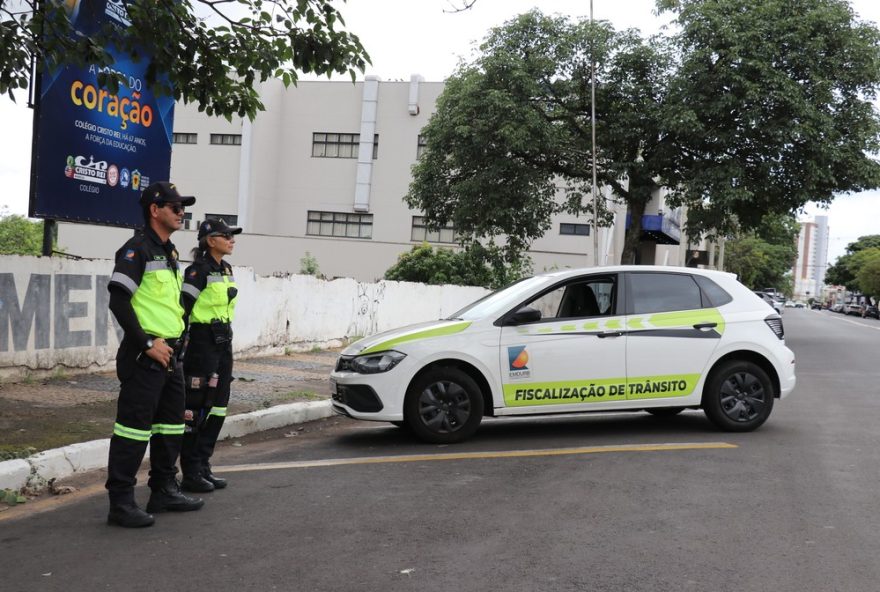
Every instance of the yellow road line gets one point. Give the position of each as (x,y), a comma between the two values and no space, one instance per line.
(47,504)
(371,460)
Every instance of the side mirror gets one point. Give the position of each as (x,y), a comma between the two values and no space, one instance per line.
(526,314)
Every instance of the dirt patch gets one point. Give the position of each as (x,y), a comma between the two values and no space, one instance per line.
(55,412)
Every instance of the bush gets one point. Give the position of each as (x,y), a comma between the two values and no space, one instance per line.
(20,236)
(476,265)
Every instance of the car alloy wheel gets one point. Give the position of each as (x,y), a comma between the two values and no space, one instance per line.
(443,406)
(738,396)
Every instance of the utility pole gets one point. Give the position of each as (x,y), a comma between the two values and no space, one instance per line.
(593,133)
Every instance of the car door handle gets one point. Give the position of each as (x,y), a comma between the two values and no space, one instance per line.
(605,334)
(705,325)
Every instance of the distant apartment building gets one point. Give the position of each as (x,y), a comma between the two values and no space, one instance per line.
(812,259)
(324,169)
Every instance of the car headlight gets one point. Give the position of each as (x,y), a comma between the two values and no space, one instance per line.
(376,363)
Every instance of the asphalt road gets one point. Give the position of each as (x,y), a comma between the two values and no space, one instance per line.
(565,503)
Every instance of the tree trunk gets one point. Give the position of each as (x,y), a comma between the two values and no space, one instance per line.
(633,235)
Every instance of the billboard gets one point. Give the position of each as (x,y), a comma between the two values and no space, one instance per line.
(94,152)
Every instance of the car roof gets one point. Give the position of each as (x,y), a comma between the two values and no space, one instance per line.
(562,274)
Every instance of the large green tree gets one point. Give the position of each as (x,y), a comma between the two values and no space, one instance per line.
(513,127)
(762,257)
(204,51)
(845,269)
(868,276)
(748,109)
(771,107)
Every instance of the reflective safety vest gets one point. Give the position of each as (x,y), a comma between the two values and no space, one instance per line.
(156,301)
(213,302)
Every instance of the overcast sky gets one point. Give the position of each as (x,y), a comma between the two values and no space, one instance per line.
(407,37)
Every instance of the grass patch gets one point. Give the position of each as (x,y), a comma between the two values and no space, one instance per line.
(8,452)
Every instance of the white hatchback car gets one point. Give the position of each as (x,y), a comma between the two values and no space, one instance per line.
(662,339)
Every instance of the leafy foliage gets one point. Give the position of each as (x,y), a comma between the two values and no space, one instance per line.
(208,51)
(868,276)
(514,126)
(761,258)
(9,497)
(308,265)
(20,236)
(771,107)
(845,270)
(749,109)
(475,266)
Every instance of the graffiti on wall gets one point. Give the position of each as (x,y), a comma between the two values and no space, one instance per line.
(50,304)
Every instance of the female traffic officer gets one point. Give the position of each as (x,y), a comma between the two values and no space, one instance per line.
(209,296)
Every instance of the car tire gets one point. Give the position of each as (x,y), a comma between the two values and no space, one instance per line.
(738,396)
(665,411)
(443,406)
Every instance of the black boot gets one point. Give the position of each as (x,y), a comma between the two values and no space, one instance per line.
(168,498)
(217,482)
(196,484)
(129,516)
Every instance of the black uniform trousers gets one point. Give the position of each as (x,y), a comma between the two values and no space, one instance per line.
(204,357)
(151,401)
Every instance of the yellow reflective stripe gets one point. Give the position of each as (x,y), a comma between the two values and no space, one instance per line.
(168,429)
(218,411)
(436,332)
(131,433)
(688,318)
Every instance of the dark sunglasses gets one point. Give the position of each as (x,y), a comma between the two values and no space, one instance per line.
(226,235)
(175,207)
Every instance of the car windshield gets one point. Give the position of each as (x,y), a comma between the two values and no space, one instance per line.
(501,300)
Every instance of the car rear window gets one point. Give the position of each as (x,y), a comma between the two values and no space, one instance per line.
(717,295)
(662,292)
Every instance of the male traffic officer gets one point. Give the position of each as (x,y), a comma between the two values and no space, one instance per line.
(145,298)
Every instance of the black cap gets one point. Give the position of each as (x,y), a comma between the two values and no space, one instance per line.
(215,226)
(164,192)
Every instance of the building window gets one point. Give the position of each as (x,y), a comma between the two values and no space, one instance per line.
(421,233)
(226,139)
(576,229)
(188,221)
(230,219)
(421,146)
(340,224)
(184,138)
(327,145)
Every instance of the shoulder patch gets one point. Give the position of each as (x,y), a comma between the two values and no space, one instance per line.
(129,254)
(193,273)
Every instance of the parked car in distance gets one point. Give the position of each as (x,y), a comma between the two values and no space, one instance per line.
(774,304)
(853,309)
(837,307)
(789,304)
(871,311)
(815,305)
(799,304)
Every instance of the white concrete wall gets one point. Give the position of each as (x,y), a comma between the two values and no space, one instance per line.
(53,312)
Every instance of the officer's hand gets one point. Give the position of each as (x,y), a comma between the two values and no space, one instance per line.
(160,352)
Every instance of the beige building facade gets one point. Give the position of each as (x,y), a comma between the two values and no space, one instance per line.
(323,170)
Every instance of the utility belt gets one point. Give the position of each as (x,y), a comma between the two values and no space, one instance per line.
(217,331)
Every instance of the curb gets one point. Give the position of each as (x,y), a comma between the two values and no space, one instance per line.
(34,472)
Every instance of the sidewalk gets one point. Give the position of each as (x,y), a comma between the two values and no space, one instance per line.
(55,427)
